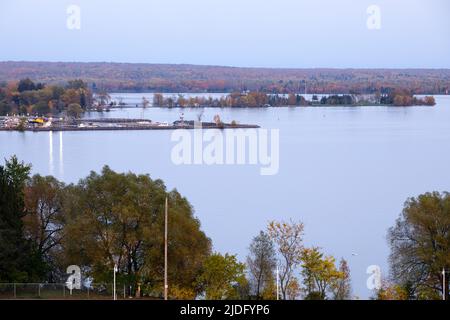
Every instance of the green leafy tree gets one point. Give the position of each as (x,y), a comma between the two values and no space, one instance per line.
(41,108)
(420,245)
(114,217)
(74,110)
(222,276)
(26,85)
(44,220)
(76,84)
(17,261)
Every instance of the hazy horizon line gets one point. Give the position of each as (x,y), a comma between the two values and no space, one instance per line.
(226,66)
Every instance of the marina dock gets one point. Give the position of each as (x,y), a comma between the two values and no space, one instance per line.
(39,124)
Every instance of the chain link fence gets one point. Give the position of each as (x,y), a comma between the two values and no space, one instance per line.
(57,291)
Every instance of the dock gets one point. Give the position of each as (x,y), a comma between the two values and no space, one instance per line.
(105,124)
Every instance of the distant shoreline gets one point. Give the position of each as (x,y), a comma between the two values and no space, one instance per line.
(132,106)
(172,78)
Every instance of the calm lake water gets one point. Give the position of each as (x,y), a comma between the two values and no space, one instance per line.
(344,171)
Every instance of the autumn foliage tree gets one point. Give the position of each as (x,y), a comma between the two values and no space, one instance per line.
(391,291)
(319,273)
(288,239)
(28,97)
(341,288)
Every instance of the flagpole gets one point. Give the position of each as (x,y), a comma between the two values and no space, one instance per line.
(165,252)
(443,284)
(278,280)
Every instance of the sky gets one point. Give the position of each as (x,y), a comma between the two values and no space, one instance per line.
(245,33)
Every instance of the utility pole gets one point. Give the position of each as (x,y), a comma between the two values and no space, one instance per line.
(443,284)
(114,285)
(165,253)
(278,280)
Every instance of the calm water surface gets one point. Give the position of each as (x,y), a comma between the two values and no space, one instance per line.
(344,171)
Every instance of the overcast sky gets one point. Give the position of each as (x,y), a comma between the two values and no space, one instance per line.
(266,33)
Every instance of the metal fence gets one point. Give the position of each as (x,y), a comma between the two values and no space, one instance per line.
(57,291)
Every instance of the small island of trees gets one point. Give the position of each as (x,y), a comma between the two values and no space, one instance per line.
(397,97)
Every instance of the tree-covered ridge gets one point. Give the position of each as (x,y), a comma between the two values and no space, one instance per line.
(192,78)
(35,98)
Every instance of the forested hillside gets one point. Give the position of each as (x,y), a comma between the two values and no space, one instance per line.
(192,78)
